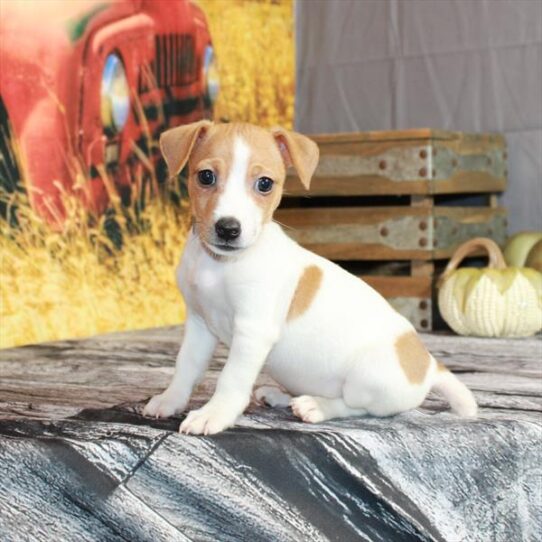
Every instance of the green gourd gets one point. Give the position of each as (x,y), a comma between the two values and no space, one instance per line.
(524,249)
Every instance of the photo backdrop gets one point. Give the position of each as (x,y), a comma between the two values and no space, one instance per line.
(115,270)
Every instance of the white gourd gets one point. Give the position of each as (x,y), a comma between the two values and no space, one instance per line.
(497,301)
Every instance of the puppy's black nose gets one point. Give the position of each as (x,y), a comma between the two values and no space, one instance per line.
(228,228)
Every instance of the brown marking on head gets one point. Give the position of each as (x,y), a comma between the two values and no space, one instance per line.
(298,151)
(205,145)
(265,161)
(307,287)
(216,152)
(274,171)
(413,357)
(178,143)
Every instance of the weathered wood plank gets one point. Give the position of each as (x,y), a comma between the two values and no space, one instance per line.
(496,355)
(409,135)
(378,233)
(38,410)
(374,185)
(58,378)
(408,162)
(354,185)
(400,286)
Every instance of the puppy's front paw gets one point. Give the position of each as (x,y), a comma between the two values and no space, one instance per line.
(207,420)
(163,405)
(308,409)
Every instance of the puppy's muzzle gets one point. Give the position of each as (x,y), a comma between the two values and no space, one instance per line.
(228,228)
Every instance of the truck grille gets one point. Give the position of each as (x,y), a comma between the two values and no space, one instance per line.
(175,61)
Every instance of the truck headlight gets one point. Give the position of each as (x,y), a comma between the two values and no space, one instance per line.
(210,75)
(115,95)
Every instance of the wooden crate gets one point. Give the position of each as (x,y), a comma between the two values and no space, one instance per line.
(411,196)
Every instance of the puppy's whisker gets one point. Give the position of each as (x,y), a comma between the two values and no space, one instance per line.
(284,225)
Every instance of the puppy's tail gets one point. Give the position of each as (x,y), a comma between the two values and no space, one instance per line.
(455,392)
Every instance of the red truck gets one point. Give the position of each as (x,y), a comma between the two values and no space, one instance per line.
(86,87)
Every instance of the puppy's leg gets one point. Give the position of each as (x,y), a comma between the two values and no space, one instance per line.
(192,360)
(318,409)
(248,352)
(272,396)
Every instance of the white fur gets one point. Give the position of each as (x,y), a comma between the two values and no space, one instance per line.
(234,202)
(272,396)
(456,393)
(337,358)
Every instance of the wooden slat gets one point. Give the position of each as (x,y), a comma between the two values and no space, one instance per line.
(400,286)
(383,233)
(367,148)
(477,182)
(410,135)
(365,185)
(377,185)
(333,216)
(469,214)
(420,161)
(379,135)
(366,251)
(466,143)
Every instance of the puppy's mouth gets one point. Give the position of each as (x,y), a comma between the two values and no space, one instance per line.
(226,247)
(222,249)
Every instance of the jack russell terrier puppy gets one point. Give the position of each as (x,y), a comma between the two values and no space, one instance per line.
(325,336)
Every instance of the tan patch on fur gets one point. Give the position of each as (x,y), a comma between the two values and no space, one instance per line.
(413,357)
(267,203)
(441,368)
(305,292)
(265,161)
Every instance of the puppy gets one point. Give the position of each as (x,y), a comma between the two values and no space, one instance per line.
(325,336)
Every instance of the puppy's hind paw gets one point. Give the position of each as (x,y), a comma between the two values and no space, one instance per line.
(163,406)
(272,396)
(308,409)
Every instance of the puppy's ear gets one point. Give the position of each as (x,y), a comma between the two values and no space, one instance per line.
(298,151)
(177,144)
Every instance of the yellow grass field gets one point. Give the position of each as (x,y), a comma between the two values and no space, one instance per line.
(255,49)
(75,283)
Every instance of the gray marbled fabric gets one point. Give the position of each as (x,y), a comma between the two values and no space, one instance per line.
(113,475)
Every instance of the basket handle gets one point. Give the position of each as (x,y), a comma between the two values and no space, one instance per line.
(496,259)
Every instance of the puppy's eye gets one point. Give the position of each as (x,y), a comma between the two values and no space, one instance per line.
(264,185)
(206,177)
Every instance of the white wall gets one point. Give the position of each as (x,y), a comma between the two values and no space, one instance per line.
(470,65)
